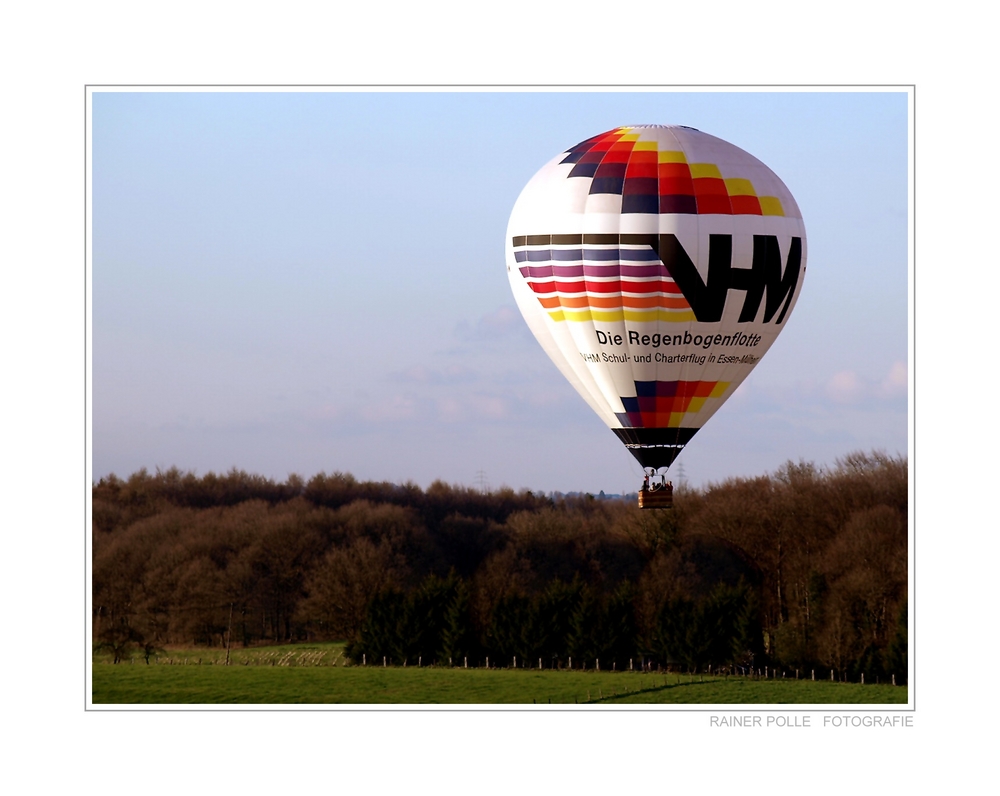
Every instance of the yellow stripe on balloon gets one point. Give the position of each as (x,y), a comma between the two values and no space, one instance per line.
(684,316)
(612,316)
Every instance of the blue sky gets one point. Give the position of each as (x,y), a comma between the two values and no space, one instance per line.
(297,282)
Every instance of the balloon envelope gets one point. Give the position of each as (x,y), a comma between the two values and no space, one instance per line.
(655,265)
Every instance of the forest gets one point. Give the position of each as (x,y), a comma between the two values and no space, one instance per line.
(803,568)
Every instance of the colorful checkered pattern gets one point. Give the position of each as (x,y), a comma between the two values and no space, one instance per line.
(651,180)
(663,404)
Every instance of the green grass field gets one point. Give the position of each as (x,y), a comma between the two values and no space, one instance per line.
(318,674)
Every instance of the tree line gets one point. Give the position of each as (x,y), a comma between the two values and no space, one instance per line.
(805,567)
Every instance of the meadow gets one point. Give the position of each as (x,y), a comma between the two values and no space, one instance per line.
(319,674)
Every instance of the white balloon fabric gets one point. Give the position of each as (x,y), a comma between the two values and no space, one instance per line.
(656,265)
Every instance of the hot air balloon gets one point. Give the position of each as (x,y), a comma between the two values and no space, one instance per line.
(655,265)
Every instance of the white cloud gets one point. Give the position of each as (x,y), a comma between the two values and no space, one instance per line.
(490,406)
(450,409)
(448,375)
(326,412)
(398,407)
(503,323)
(464,406)
(845,387)
(895,383)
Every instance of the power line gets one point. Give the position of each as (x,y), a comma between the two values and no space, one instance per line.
(681,475)
(482,482)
